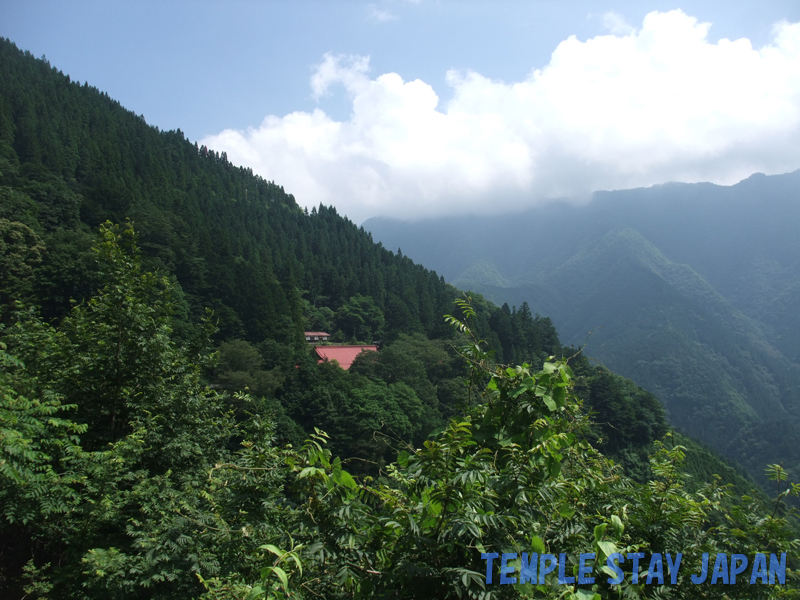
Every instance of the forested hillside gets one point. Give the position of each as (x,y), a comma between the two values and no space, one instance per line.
(152,302)
(240,246)
(690,290)
(119,476)
(237,243)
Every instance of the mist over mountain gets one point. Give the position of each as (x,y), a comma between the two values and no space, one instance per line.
(691,290)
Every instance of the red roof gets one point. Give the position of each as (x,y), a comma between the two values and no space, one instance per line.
(344,355)
(317,334)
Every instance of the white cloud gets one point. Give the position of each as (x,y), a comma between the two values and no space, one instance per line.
(616,24)
(381,15)
(348,70)
(660,103)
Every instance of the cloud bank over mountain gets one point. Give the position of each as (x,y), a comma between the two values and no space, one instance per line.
(661,102)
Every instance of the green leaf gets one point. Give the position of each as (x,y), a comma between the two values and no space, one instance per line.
(608,548)
(537,544)
(566,512)
(282,576)
(296,559)
(306,472)
(273,549)
(600,531)
(402,459)
(608,571)
(617,525)
(559,396)
(344,478)
(776,473)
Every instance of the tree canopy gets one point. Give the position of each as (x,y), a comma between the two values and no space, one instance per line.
(124,476)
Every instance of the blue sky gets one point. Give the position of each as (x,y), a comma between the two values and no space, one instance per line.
(420,108)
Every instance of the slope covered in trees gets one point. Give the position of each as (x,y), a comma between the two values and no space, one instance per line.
(71,157)
(123,474)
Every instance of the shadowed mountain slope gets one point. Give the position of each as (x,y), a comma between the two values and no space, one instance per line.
(690,290)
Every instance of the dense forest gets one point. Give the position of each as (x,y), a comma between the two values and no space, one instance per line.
(241,247)
(165,431)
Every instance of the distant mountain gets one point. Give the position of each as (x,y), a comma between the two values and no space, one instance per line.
(691,290)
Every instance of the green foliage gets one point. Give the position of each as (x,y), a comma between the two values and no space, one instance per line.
(429,367)
(150,500)
(240,367)
(359,319)
(318,318)
(367,420)
(123,475)
(72,158)
(20,252)
(516,474)
(37,586)
(113,484)
(39,449)
(626,418)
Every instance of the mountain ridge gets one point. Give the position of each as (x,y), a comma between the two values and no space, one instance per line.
(689,289)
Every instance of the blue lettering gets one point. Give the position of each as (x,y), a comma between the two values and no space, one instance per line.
(674,567)
(634,558)
(620,577)
(489,557)
(701,577)
(527,571)
(655,570)
(504,570)
(778,569)
(585,570)
(720,569)
(562,565)
(545,569)
(759,569)
(736,569)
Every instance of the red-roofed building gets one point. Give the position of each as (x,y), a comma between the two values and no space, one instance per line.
(317,336)
(344,355)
